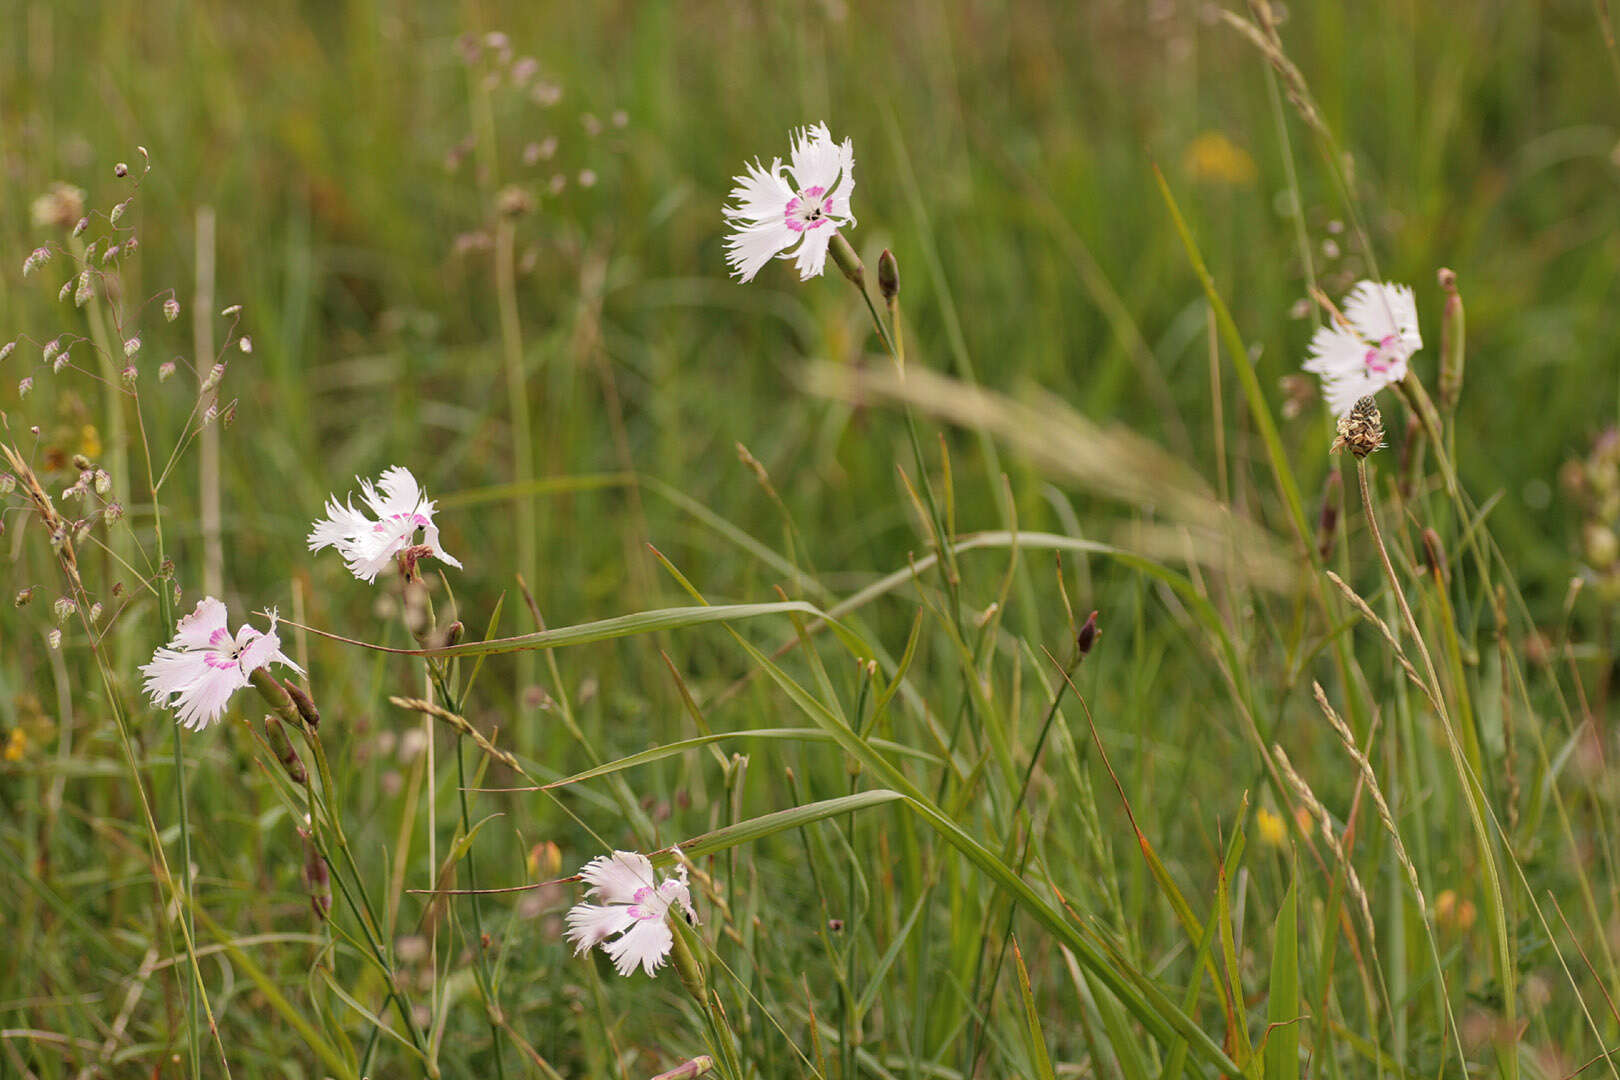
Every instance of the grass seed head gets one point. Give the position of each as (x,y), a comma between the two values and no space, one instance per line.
(1361,430)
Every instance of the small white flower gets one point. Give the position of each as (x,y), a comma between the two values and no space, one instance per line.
(792,216)
(1361,358)
(632,907)
(197,672)
(368,546)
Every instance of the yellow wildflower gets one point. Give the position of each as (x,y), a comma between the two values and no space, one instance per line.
(1215,159)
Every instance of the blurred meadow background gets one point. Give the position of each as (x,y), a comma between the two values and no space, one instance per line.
(484,241)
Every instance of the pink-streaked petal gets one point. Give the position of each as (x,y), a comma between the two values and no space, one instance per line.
(1340,358)
(759,194)
(401,494)
(646,944)
(194,631)
(816,160)
(617,878)
(750,248)
(591,924)
(206,700)
(173,671)
(260,650)
(811,257)
(1378,311)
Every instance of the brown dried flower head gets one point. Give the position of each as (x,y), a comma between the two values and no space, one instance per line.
(1361,430)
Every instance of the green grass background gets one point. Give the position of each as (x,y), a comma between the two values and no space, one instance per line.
(1005,153)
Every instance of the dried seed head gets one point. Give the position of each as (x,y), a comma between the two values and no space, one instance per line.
(129,374)
(64,607)
(120,170)
(228,417)
(1361,431)
(23,597)
(171,309)
(132,346)
(165,370)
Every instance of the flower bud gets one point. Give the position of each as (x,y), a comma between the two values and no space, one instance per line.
(888,276)
(1599,545)
(848,262)
(283,748)
(1452,352)
(303,703)
(1087,637)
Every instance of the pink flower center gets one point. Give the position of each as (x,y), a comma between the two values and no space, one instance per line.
(1385,356)
(639,909)
(810,209)
(416,521)
(224,651)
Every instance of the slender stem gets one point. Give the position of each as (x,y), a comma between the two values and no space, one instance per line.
(1471,791)
(517,400)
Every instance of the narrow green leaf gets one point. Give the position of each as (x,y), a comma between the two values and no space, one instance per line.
(1032,1020)
(1282,1007)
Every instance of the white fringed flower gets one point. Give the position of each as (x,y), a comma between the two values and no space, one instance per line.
(792,216)
(1361,358)
(368,547)
(632,907)
(197,672)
